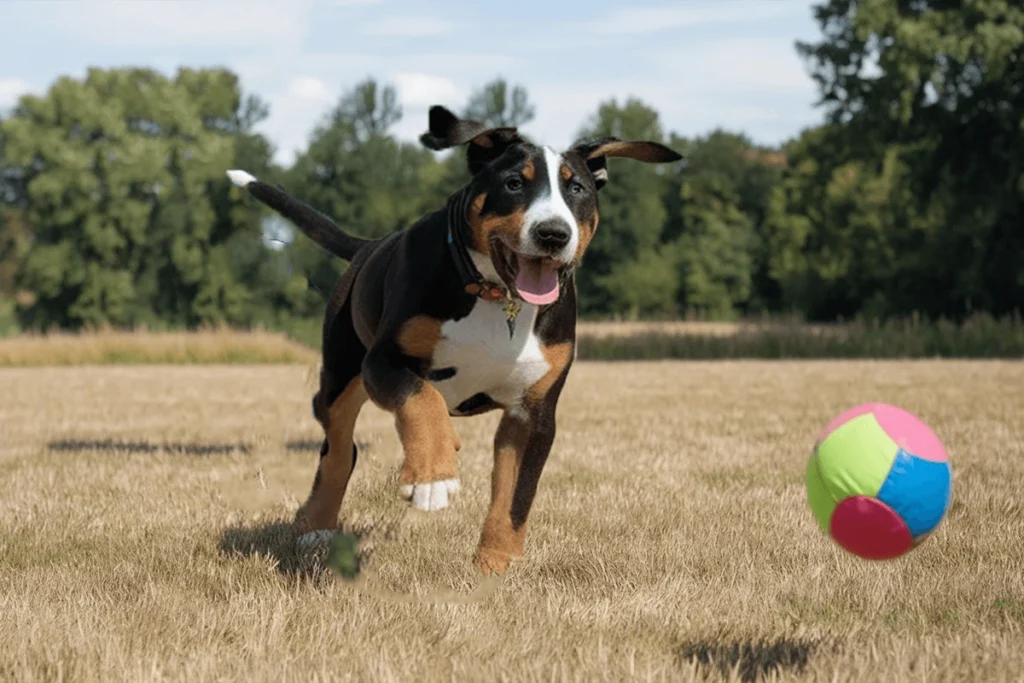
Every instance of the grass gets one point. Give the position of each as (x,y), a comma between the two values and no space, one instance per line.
(130,348)
(979,337)
(144,534)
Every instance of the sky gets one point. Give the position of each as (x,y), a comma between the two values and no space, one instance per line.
(702,64)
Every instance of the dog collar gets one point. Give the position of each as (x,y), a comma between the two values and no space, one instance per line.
(473,283)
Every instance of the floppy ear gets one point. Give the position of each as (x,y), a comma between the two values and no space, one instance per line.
(485,144)
(595,153)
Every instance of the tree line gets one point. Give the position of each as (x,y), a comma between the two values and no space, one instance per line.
(907,199)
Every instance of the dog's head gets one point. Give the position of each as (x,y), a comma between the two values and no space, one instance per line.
(532,211)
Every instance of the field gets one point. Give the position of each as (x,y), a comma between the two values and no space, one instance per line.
(145,509)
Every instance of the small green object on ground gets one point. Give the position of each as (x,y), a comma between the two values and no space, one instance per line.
(342,557)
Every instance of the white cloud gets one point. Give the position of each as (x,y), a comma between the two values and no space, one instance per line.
(11,90)
(294,113)
(422,79)
(165,23)
(309,89)
(735,65)
(423,90)
(636,20)
(409,27)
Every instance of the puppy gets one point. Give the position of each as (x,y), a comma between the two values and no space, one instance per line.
(470,309)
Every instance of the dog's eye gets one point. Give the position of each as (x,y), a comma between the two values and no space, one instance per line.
(575,188)
(514,184)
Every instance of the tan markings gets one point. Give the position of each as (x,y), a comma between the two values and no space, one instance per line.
(483,140)
(428,438)
(483,228)
(499,541)
(642,151)
(321,509)
(587,230)
(557,357)
(529,171)
(566,172)
(507,225)
(418,336)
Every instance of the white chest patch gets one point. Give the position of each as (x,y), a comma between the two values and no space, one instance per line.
(485,359)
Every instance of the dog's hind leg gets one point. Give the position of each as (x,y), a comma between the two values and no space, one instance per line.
(337,460)
(336,407)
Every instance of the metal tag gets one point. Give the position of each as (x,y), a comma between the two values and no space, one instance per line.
(512,309)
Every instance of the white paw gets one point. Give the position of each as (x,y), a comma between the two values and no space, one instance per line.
(314,540)
(431,495)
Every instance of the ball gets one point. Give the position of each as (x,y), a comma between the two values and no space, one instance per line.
(878,481)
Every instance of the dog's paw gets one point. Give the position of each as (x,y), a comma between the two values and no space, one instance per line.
(312,549)
(315,541)
(430,496)
(493,562)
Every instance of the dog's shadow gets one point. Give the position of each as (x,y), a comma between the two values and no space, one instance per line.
(275,540)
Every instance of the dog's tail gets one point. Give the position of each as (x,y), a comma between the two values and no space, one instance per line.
(311,222)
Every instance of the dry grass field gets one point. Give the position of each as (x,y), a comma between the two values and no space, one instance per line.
(144,534)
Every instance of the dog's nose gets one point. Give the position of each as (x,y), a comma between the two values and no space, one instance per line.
(552,235)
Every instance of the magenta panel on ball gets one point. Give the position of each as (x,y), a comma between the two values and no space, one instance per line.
(869,528)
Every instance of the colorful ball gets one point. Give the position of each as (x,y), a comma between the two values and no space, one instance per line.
(879,481)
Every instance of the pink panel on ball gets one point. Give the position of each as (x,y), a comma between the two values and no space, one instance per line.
(910,433)
(869,528)
(906,429)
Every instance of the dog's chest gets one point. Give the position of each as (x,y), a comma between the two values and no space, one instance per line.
(485,358)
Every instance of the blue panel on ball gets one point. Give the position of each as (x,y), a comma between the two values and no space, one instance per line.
(918,490)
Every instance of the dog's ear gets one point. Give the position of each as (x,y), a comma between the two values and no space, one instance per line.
(447,130)
(595,153)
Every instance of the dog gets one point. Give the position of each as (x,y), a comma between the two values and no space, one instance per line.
(470,309)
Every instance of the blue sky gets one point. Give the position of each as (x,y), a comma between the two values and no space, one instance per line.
(701,63)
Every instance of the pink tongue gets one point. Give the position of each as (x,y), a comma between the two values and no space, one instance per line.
(537,283)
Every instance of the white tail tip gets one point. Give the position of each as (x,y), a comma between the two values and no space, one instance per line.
(241,178)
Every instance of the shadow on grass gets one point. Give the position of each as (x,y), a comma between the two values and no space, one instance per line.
(276,540)
(143,447)
(313,445)
(754,660)
(199,449)
(304,445)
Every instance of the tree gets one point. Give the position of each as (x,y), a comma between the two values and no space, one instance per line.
(497,104)
(935,87)
(633,214)
(717,205)
(359,174)
(121,174)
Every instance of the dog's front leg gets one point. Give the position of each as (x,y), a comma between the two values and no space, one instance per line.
(430,469)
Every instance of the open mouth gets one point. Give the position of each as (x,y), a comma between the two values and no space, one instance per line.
(536,279)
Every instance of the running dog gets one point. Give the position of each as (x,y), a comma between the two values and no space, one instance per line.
(470,309)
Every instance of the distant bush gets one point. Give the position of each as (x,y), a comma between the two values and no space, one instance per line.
(8,319)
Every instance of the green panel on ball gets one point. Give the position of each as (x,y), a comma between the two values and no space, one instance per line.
(821,502)
(856,458)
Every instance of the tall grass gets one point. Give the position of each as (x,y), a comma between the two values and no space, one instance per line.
(982,336)
(130,348)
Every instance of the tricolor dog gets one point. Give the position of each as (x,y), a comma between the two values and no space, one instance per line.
(470,309)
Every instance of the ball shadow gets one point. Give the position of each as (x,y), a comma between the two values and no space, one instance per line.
(754,660)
